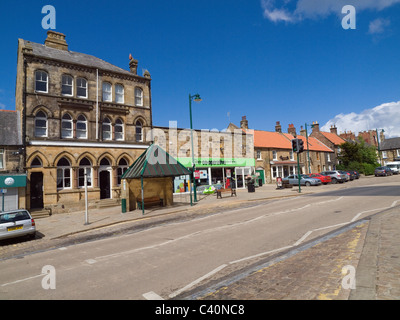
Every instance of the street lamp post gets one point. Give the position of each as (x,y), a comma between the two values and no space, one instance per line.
(379,148)
(195,98)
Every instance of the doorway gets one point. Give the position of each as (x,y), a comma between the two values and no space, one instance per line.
(36,190)
(105,185)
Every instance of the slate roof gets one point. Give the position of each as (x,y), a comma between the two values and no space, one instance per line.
(40,50)
(10,128)
(155,163)
(390,144)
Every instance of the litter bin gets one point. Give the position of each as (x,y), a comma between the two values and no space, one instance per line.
(260,182)
(123,205)
(251,187)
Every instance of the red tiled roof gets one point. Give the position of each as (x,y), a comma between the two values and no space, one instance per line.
(267,139)
(334,138)
(313,144)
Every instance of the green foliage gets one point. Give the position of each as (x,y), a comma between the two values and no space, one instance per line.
(358,156)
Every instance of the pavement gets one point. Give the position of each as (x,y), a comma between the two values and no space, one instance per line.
(357,262)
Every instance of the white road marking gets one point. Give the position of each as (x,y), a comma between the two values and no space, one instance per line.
(22,280)
(192,284)
(152,296)
(260,254)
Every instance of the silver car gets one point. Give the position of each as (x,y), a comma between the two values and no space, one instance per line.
(304,180)
(16,223)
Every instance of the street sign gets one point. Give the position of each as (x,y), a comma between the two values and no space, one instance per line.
(3,191)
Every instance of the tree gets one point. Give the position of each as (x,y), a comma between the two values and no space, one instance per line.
(358,156)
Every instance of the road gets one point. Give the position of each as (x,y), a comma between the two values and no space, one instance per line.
(168,260)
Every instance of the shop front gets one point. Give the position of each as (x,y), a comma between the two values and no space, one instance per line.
(12,191)
(221,171)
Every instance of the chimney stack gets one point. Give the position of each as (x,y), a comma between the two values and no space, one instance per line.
(292,130)
(334,129)
(244,124)
(278,127)
(315,126)
(56,40)
(133,64)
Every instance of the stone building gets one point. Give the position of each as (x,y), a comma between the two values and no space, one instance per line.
(80,115)
(389,149)
(12,174)
(218,155)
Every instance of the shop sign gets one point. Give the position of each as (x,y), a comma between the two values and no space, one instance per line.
(12,181)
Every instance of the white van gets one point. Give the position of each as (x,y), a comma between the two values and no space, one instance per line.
(394,166)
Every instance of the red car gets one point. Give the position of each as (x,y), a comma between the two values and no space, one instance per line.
(324,179)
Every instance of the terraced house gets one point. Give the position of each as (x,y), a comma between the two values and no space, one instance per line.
(80,116)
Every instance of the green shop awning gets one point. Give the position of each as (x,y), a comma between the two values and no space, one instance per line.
(155,163)
(12,181)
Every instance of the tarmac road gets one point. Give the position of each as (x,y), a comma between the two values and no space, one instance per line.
(171,259)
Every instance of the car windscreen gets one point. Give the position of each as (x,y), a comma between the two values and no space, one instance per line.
(14,217)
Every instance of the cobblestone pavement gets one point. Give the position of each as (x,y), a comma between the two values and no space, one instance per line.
(369,251)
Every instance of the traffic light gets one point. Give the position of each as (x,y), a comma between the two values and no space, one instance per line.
(295,145)
(301,146)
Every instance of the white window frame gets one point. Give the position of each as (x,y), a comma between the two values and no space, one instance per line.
(79,85)
(107,90)
(119,124)
(138,97)
(67,81)
(274,155)
(41,128)
(67,133)
(107,124)
(63,170)
(259,157)
(119,94)
(328,157)
(2,159)
(89,171)
(384,154)
(291,155)
(141,131)
(80,131)
(42,80)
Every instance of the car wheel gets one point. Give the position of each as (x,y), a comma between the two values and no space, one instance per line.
(308,184)
(334,180)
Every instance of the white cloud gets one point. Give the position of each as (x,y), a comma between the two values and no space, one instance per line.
(378,26)
(277,10)
(386,116)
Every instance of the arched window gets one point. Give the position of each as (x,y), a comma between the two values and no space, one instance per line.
(107,129)
(67,85)
(41,124)
(119,93)
(85,166)
(139,131)
(41,81)
(122,168)
(119,130)
(138,97)
(64,174)
(66,127)
(105,162)
(36,163)
(81,127)
(81,88)
(107,92)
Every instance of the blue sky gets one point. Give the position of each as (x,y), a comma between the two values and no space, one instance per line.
(289,61)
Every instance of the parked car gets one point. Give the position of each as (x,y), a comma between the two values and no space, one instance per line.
(350,175)
(304,180)
(324,179)
(336,176)
(16,223)
(394,166)
(356,174)
(383,171)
